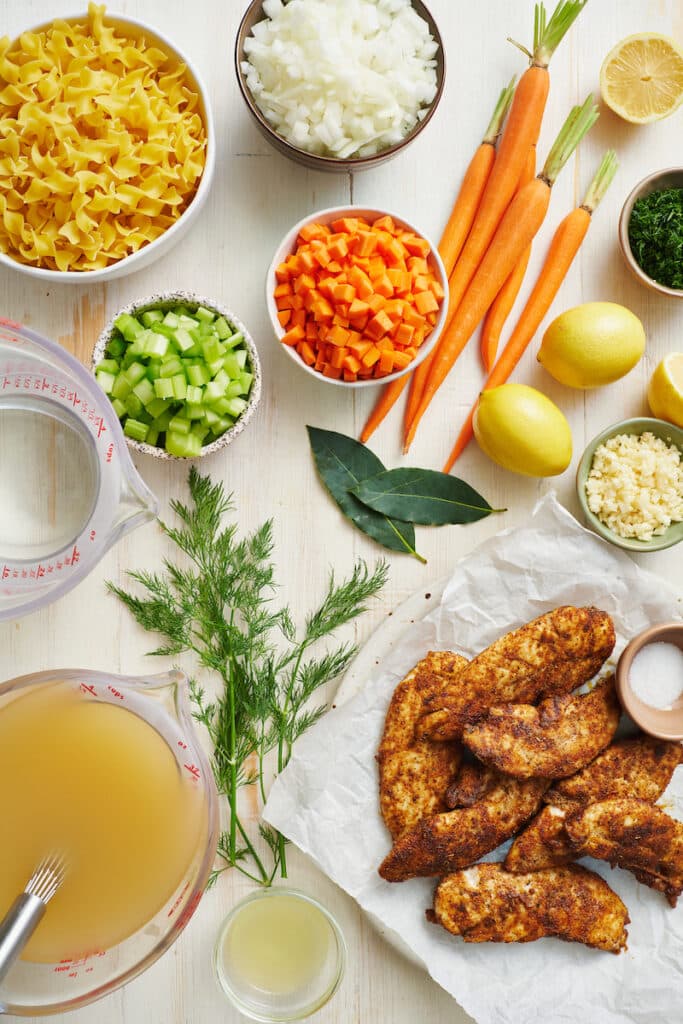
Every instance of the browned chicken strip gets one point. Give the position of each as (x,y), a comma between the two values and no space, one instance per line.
(487,904)
(456,839)
(414,774)
(632,834)
(553,740)
(551,655)
(543,844)
(471,783)
(638,767)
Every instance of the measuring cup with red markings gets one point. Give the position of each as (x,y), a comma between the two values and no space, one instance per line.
(68,487)
(108,771)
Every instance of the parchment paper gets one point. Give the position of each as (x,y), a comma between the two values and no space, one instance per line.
(326,800)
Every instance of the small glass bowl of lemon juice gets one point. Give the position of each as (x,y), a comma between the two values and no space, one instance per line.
(280,956)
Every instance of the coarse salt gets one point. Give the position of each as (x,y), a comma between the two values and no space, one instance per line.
(635,485)
(656,674)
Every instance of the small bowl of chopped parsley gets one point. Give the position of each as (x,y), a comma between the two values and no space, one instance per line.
(651,232)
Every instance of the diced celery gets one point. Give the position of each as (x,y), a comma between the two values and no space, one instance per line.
(205,329)
(221,406)
(156,407)
(223,424)
(158,327)
(213,350)
(156,345)
(163,387)
(234,389)
(222,328)
(133,405)
(134,373)
(151,316)
(216,367)
(211,417)
(144,391)
(162,422)
(179,425)
(235,407)
(152,435)
(200,430)
(222,378)
(118,407)
(183,339)
(171,320)
(197,374)
(246,380)
(234,340)
(205,314)
(194,395)
(135,429)
(213,391)
(109,366)
(186,446)
(189,322)
(170,366)
(122,386)
(105,380)
(144,417)
(231,365)
(129,326)
(193,411)
(179,387)
(116,346)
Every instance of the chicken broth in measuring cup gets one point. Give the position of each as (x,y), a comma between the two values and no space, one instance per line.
(99,784)
(49,478)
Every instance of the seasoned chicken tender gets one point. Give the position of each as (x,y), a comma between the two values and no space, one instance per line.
(414,774)
(487,904)
(640,767)
(471,783)
(456,839)
(553,740)
(543,844)
(632,834)
(554,654)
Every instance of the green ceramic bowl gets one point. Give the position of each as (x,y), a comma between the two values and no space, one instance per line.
(640,425)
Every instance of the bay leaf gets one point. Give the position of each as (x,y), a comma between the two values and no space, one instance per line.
(422,496)
(343,464)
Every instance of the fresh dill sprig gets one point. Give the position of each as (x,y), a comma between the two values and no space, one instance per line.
(220,607)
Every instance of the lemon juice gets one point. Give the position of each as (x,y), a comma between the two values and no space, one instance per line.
(97,783)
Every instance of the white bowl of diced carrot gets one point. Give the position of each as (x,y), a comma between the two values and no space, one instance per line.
(357,297)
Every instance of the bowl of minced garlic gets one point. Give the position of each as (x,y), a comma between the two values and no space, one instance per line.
(630,484)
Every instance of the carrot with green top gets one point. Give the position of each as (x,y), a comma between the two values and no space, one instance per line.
(563,248)
(521,133)
(506,297)
(453,238)
(516,231)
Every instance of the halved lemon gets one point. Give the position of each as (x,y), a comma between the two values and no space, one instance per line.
(642,78)
(665,393)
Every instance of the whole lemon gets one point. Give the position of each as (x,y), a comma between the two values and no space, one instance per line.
(665,393)
(592,345)
(522,430)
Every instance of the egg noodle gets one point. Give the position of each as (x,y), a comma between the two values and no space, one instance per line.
(102,144)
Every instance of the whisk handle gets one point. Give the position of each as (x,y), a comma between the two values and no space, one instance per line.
(17,927)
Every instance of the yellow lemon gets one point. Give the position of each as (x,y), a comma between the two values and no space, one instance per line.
(592,345)
(522,430)
(642,78)
(665,393)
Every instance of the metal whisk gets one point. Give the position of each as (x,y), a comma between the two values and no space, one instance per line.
(23,917)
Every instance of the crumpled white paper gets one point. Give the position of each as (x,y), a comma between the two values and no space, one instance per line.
(326,800)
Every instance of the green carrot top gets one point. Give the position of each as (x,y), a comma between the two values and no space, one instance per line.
(581,119)
(500,112)
(549,34)
(604,176)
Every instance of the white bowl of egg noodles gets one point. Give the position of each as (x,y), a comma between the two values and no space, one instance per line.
(116,246)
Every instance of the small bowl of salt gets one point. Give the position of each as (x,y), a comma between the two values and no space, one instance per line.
(650,680)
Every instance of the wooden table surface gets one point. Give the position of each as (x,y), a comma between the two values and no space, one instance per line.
(256,196)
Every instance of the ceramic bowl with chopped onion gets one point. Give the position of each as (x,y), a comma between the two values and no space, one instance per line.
(630,484)
(340,85)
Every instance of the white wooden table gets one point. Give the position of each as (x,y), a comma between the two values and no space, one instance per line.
(256,196)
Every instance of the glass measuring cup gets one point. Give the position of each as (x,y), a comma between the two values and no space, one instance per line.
(36,989)
(68,487)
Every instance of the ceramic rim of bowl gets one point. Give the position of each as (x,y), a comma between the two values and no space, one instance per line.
(148,253)
(662,723)
(645,187)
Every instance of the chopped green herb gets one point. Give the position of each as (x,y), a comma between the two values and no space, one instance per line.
(655,232)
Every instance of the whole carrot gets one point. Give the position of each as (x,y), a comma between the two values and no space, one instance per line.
(452,241)
(515,232)
(460,223)
(563,248)
(505,299)
(521,133)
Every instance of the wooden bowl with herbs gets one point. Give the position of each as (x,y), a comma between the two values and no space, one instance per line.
(651,232)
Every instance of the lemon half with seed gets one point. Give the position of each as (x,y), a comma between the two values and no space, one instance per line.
(642,78)
(665,393)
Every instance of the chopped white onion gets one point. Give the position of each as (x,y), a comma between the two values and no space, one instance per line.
(341,77)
